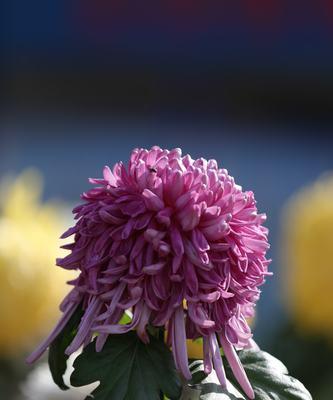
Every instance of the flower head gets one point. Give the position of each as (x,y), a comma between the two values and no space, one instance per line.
(178,242)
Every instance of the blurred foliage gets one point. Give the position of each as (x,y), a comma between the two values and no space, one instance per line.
(12,372)
(308,358)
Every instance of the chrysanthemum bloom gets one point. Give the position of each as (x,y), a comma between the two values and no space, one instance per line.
(30,286)
(178,242)
(307,253)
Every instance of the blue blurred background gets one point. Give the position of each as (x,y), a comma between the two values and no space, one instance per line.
(248,83)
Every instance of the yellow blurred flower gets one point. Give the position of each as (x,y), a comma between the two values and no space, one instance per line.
(307,254)
(195,349)
(31,287)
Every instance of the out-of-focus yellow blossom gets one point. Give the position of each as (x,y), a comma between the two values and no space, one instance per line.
(307,255)
(195,349)
(31,287)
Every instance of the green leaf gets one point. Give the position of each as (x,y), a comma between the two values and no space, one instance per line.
(128,369)
(197,371)
(213,391)
(269,377)
(207,387)
(57,357)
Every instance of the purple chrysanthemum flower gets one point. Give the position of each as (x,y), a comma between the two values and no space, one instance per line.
(180,244)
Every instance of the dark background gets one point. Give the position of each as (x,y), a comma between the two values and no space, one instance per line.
(248,60)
